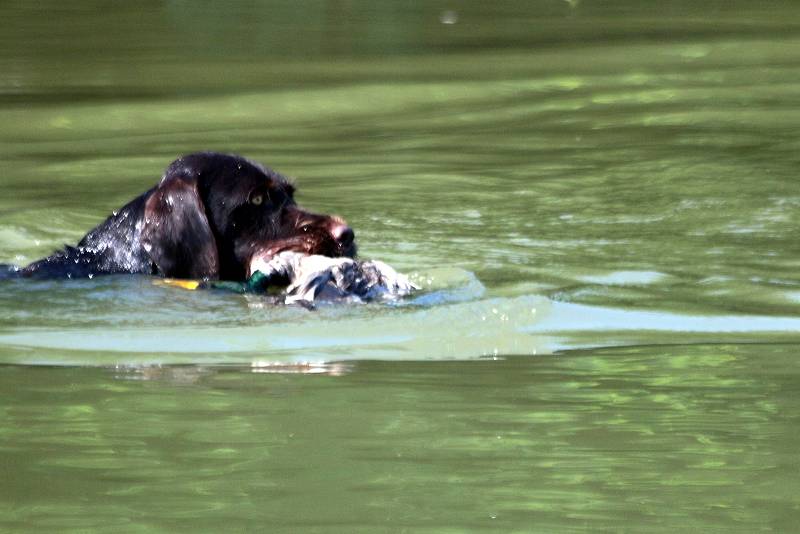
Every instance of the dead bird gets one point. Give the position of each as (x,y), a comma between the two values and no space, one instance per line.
(312,278)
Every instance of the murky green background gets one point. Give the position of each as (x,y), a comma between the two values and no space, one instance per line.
(600,199)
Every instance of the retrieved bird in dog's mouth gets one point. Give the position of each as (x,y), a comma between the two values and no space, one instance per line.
(291,277)
(313,278)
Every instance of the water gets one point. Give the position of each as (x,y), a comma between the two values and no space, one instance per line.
(599,198)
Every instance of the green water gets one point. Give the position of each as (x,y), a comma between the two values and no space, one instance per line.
(599,198)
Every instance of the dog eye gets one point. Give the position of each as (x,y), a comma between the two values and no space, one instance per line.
(256,199)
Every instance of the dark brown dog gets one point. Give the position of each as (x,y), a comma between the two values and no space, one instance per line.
(209,217)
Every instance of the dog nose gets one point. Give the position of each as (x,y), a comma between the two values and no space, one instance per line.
(343,234)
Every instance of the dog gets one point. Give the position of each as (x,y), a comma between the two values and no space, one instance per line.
(209,217)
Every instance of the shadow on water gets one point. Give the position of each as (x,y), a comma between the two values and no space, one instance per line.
(8,272)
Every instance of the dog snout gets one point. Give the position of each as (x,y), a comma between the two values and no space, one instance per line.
(342,233)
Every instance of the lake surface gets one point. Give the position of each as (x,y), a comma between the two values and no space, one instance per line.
(600,200)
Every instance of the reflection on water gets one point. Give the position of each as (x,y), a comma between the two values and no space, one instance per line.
(695,437)
(556,174)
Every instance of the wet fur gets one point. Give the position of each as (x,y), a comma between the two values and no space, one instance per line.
(200,221)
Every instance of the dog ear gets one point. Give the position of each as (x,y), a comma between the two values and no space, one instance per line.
(176,233)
